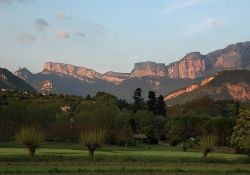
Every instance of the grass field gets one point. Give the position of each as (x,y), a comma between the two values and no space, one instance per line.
(140,159)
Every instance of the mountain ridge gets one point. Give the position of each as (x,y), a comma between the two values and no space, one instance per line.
(10,81)
(193,67)
(225,85)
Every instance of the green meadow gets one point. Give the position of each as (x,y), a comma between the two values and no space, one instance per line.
(70,158)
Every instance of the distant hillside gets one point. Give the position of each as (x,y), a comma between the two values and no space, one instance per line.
(234,85)
(10,81)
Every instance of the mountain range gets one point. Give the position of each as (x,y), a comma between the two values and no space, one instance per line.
(161,78)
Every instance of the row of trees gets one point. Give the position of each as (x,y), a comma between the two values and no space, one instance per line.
(184,124)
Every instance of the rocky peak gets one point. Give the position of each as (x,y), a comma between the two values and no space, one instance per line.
(192,66)
(23,73)
(148,69)
(238,45)
(71,70)
(234,56)
(193,55)
(195,65)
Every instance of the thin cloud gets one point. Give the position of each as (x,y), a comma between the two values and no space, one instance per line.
(80,34)
(180,4)
(41,24)
(201,26)
(26,37)
(61,17)
(99,28)
(13,1)
(63,35)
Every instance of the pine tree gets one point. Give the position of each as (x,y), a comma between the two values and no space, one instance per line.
(161,108)
(152,102)
(138,100)
(88,97)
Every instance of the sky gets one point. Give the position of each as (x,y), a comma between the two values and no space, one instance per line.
(107,35)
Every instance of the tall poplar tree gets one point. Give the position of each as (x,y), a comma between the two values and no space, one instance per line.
(152,102)
(138,100)
(161,106)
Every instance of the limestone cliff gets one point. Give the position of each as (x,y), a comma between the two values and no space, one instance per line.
(46,86)
(70,70)
(144,69)
(192,66)
(195,65)
(239,91)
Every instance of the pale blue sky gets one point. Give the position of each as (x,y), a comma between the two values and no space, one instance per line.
(114,34)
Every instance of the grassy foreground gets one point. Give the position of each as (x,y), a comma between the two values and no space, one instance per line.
(73,159)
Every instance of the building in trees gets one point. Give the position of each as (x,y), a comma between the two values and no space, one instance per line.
(140,138)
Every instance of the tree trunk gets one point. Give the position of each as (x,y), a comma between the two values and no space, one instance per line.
(126,145)
(91,153)
(205,153)
(248,152)
(32,152)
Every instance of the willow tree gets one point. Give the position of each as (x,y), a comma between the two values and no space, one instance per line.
(31,137)
(92,139)
(207,143)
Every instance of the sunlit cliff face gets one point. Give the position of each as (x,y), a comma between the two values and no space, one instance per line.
(68,69)
(188,89)
(239,91)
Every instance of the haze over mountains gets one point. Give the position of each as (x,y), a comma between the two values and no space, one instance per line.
(193,67)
